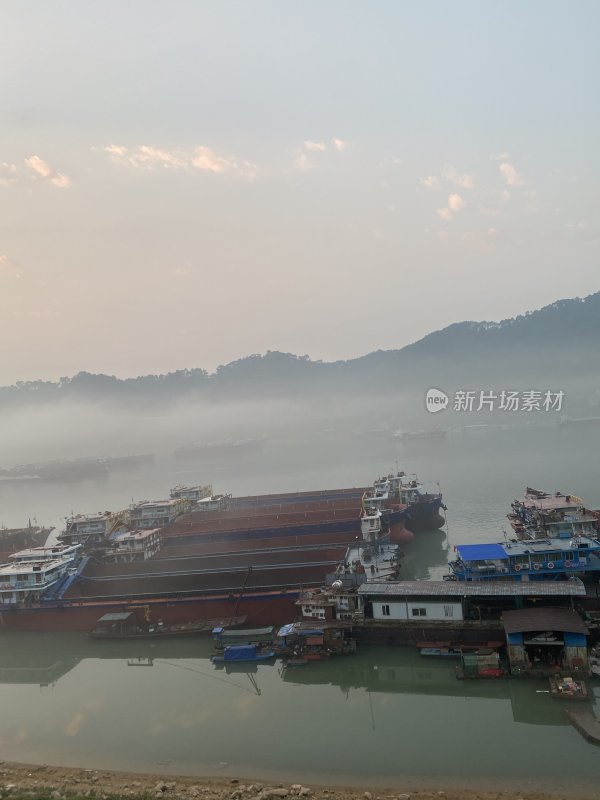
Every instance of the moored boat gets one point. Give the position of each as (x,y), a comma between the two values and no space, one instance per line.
(128,625)
(237,653)
(539,515)
(14,539)
(540,559)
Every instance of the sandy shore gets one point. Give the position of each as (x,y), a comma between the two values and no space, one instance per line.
(59,783)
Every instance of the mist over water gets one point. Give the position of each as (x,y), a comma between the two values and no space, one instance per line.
(298,446)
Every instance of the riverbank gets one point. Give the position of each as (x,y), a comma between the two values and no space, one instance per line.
(63,783)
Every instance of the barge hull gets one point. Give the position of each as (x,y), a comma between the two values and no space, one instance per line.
(259,608)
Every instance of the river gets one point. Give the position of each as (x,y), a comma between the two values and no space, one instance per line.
(373,718)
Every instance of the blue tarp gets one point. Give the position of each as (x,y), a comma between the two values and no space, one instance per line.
(286,630)
(294,628)
(575,640)
(480,552)
(240,652)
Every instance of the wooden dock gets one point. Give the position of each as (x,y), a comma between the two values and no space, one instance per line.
(586,723)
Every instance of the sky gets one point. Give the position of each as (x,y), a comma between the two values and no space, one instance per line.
(183,184)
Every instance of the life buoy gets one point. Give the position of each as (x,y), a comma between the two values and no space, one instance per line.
(550,565)
(518,567)
(537,566)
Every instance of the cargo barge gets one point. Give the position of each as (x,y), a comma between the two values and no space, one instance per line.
(197,556)
(64,589)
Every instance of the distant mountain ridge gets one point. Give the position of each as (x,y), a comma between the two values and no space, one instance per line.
(559,340)
(574,321)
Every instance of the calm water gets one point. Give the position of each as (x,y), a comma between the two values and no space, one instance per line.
(381,715)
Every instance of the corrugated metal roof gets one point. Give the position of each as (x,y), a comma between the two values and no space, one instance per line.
(570,588)
(523,620)
(116,616)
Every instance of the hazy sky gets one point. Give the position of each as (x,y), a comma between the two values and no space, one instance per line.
(184,183)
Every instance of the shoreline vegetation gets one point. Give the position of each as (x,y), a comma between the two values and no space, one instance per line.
(44,782)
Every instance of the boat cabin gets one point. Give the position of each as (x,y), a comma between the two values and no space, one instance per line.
(128,546)
(217,502)
(88,528)
(26,580)
(46,553)
(156,513)
(191,493)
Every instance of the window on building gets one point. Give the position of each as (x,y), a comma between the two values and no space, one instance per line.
(419,612)
(385,610)
(448,611)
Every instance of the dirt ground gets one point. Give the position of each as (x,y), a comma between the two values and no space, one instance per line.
(62,783)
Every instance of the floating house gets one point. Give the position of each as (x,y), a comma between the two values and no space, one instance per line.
(403,603)
(538,559)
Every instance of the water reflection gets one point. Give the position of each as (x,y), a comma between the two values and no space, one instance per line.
(46,659)
(162,705)
(402,670)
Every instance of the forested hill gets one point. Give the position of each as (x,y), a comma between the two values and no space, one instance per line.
(559,341)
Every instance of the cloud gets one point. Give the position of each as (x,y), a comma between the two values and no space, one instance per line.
(456,203)
(500,157)
(510,174)
(315,147)
(307,157)
(43,171)
(340,145)
(199,158)
(303,162)
(150,157)
(451,175)
(116,150)
(397,162)
(9,175)
(431,182)
(8,268)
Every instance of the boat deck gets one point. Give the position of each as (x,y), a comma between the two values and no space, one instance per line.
(200,583)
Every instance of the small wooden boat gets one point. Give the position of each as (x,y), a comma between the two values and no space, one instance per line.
(223,637)
(444,652)
(236,653)
(568,688)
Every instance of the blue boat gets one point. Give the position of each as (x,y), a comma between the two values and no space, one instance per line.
(530,560)
(236,653)
(443,652)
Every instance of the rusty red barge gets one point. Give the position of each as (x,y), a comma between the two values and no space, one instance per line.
(200,558)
